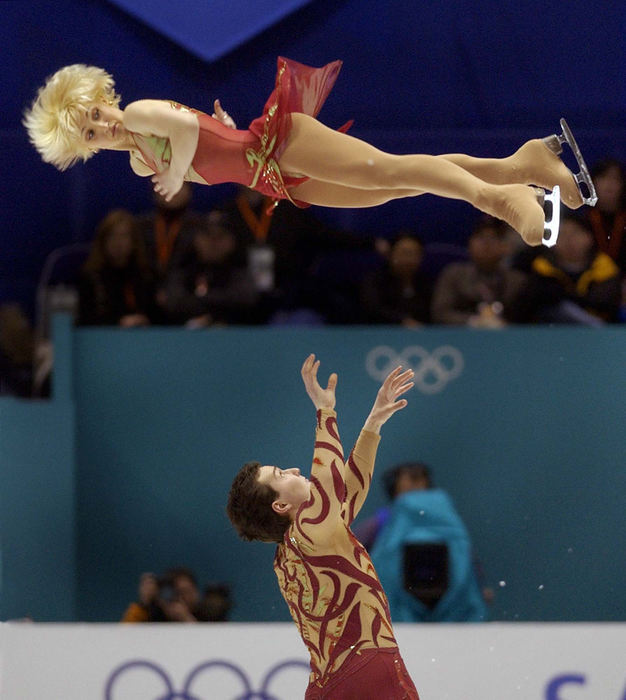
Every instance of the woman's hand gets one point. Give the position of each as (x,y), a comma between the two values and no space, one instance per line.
(386,404)
(181,127)
(322,398)
(167,183)
(223,116)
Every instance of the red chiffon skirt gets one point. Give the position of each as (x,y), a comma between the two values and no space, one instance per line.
(298,88)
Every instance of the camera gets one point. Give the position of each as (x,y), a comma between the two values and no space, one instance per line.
(425,568)
(167,592)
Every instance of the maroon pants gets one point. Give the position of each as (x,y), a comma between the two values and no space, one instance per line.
(374,674)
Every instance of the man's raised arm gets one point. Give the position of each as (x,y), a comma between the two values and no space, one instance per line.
(360,465)
(321,515)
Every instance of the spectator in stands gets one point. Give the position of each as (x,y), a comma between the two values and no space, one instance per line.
(176,598)
(572,282)
(608,217)
(298,261)
(478,292)
(422,551)
(185,601)
(621,317)
(168,234)
(216,602)
(208,287)
(399,292)
(168,230)
(116,286)
(147,607)
(17,347)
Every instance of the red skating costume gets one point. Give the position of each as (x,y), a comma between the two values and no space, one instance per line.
(329,582)
(249,157)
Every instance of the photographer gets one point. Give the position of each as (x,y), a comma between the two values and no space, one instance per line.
(422,551)
(175,597)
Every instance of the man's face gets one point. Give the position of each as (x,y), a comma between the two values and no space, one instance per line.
(405,257)
(486,248)
(609,188)
(408,482)
(119,245)
(292,488)
(214,246)
(574,244)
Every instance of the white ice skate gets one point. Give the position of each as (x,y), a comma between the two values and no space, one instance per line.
(555,142)
(551,225)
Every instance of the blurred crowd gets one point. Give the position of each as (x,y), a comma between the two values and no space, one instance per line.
(244,263)
(176,597)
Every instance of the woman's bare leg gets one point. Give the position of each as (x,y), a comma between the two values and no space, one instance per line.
(323,154)
(532,164)
(497,171)
(327,194)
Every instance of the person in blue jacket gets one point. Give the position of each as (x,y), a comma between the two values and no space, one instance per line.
(422,551)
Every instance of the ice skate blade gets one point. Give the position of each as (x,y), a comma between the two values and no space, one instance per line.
(583,177)
(551,225)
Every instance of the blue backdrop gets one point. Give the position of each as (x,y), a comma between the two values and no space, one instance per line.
(479,76)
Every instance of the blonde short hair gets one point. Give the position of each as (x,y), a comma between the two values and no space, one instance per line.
(52,121)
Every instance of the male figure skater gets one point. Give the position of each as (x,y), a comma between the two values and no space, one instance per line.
(324,573)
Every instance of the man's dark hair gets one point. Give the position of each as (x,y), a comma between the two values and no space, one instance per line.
(250,507)
(416,470)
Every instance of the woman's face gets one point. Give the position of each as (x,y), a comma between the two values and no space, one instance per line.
(102,126)
(118,246)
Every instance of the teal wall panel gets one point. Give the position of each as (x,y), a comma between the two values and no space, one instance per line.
(127,469)
(37,526)
(527,440)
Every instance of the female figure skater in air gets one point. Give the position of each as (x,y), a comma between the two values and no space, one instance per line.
(285,153)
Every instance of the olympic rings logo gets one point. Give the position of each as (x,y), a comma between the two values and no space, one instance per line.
(433,370)
(170,693)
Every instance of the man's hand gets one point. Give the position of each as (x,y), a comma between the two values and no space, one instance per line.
(177,611)
(148,589)
(322,398)
(222,116)
(386,404)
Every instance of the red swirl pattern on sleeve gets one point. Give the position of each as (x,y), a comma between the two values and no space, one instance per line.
(325,575)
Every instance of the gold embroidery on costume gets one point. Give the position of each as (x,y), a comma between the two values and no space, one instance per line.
(178,106)
(267,169)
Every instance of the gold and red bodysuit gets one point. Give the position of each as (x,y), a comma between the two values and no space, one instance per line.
(250,156)
(324,573)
